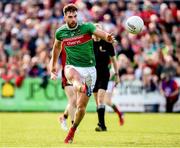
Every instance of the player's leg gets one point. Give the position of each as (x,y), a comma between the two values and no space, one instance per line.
(81,107)
(79,114)
(95,98)
(63,119)
(99,92)
(65,114)
(108,101)
(89,78)
(95,90)
(79,77)
(101,110)
(71,107)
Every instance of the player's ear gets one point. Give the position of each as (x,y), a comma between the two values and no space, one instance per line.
(65,17)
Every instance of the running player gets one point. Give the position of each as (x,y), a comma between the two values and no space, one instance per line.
(80,63)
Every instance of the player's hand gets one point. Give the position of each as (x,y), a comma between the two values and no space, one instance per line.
(53,76)
(54,73)
(111,38)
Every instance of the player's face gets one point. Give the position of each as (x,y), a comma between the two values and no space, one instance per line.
(71,19)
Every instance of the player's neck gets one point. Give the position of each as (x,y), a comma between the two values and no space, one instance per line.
(71,28)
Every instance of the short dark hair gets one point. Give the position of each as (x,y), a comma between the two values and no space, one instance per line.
(70,8)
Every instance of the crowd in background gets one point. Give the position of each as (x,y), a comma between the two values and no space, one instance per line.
(27,33)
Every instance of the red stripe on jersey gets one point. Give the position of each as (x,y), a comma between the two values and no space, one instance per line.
(77,40)
(63,56)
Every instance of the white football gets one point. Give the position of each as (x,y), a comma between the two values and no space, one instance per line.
(134,24)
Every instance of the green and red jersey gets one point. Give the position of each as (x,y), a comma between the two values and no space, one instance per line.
(78,44)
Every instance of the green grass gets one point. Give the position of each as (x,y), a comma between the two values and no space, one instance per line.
(43,130)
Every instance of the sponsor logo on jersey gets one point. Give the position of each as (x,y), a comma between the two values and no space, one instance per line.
(77,40)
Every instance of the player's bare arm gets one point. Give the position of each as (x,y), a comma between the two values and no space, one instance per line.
(104,35)
(54,59)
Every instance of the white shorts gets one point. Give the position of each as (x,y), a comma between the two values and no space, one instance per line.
(84,72)
(111,85)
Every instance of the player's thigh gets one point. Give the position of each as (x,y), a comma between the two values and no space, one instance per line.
(104,83)
(101,83)
(71,73)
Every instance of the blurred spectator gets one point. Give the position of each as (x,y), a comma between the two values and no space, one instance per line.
(157,5)
(126,49)
(107,24)
(177,61)
(169,66)
(125,69)
(169,89)
(147,12)
(28,43)
(97,13)
(149,80)
(84,14)
(27,34)
(20,78)
(35,68)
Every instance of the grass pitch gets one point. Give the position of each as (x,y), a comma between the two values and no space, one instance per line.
(43,130)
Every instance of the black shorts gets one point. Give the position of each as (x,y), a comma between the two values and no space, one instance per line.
(101,82)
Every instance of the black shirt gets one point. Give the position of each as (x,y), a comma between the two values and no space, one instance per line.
(103,51)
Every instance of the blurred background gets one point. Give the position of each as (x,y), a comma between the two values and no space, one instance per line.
(26,38)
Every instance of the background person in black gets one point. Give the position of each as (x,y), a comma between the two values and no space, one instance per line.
(104,53)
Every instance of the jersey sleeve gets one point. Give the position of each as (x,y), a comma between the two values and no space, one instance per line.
(58,35)
(91,27)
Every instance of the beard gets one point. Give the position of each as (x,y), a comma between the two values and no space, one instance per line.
(72,25)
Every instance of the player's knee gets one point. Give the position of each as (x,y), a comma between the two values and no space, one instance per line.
(81,109)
